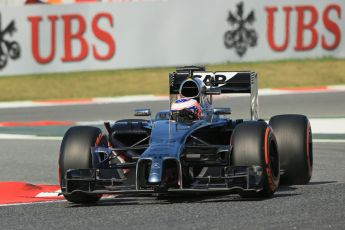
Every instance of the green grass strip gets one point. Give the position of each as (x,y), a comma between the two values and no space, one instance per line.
(289,73)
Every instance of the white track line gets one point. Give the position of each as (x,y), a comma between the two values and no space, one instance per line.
(328,141)
(28,203)
(328,125)
(26,137)
(48,194)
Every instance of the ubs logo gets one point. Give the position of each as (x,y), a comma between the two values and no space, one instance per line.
(9,49)
(242,35)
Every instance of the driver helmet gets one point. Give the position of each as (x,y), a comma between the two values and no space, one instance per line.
(187,108)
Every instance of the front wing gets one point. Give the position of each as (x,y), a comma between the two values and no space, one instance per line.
(108,181)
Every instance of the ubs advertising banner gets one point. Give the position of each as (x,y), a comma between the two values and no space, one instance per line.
(80,37)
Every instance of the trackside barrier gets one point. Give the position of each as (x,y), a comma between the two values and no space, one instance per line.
(79,37)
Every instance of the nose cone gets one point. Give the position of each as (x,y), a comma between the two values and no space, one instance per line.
(154,178)
(155,175)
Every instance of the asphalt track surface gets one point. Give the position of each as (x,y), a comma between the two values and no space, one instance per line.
(318,205)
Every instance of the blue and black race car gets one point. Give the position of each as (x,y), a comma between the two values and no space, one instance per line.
(193,147)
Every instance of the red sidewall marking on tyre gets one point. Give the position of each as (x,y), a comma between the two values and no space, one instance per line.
(21,192)
(267,161)
(266,147)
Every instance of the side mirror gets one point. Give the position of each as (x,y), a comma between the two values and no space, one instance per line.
(221,111)
(142,112)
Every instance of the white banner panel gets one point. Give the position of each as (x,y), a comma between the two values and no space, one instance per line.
(48,38)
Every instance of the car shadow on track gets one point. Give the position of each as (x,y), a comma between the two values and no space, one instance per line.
(287,188)
(283,191)
(164,200)
(321,182)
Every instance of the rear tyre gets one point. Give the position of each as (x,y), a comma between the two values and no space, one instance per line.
(295,146)
(75,153)
(253,143)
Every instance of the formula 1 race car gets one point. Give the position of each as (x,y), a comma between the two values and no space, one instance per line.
(175,153)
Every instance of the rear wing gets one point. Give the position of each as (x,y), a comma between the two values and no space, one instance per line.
(222,82)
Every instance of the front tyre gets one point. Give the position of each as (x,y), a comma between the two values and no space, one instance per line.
(75,153)
(253,143)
